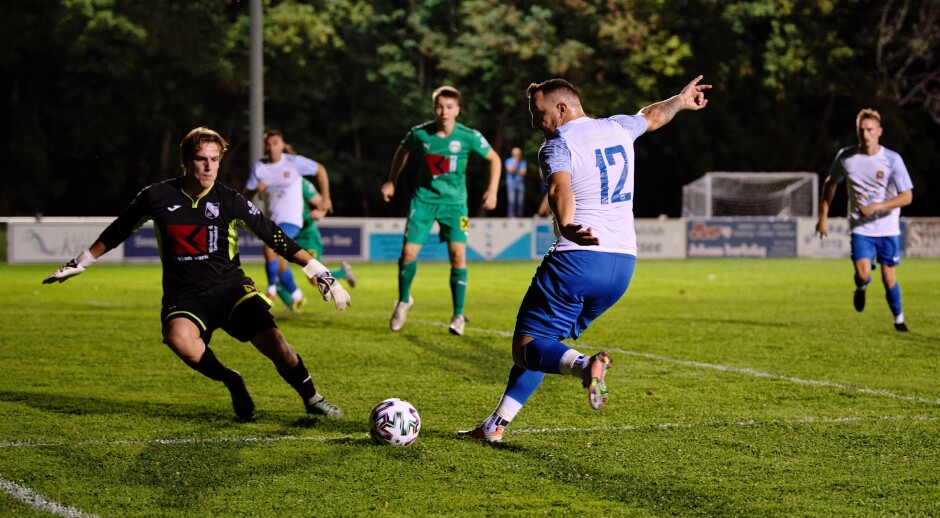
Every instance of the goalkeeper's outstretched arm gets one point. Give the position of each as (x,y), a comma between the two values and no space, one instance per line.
(76,266)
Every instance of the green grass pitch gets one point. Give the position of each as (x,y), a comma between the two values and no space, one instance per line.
(740,387)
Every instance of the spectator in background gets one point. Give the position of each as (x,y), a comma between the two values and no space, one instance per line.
(441,195)
(515,183)
(878,186)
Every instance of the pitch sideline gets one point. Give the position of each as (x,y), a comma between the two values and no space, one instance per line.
(37,501)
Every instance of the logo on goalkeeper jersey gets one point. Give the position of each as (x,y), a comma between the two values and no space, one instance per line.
(440,164)
(192,240)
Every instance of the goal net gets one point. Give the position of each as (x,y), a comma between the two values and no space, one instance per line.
(779,195)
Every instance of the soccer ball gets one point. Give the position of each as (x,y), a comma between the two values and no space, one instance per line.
(394,422)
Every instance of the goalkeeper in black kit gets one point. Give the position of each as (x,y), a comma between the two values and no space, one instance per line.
(204,287)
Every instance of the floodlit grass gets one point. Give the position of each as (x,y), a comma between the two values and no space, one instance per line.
(741,387)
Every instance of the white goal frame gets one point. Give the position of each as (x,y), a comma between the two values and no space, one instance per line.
(699,196)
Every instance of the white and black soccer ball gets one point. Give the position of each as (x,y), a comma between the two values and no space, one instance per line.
(394,422)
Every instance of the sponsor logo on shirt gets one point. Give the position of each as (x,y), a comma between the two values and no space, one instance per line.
(440,164)
(192,242)
(171,208)
(254,211)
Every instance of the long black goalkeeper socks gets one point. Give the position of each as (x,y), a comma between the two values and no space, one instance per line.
(299,378)
(210,367)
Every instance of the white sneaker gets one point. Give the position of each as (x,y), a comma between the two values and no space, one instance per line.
(350,278)
(456,325)
(400,314)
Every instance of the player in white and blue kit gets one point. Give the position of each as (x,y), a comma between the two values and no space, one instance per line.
(878,186)
(279,177)
(588,165)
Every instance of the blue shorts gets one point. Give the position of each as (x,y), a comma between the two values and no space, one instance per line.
(290,230)
(570,290)
(886,249)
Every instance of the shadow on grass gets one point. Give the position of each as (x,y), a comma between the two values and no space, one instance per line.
(92,406)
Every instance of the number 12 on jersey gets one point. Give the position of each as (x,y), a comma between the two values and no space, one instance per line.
(609,154)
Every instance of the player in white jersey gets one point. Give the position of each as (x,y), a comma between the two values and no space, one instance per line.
(878,186)
(279,177)
(588,166)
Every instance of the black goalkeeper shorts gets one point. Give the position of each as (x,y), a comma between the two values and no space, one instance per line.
(238,308)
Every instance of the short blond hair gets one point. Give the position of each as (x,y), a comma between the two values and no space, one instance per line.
(867,113)
(195,139)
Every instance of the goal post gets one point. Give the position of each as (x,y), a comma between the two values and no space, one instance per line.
(752,194)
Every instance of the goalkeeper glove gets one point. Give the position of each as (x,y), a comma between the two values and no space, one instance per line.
(329,287)
(71,268)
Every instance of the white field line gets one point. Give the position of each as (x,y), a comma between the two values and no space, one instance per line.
(347,437)
(728,368)
(791,379)
(37,501)
(719,424)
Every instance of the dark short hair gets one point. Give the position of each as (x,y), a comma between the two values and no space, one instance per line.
(195,139)
(446,91)
(551,86)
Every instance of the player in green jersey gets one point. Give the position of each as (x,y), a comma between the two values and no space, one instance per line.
(441,195)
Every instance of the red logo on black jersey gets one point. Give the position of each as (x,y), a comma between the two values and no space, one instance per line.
(187,239)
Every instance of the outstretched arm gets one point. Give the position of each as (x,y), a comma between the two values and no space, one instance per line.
(76,266)
(692,97)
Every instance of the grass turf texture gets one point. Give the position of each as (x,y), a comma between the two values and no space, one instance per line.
(741,387)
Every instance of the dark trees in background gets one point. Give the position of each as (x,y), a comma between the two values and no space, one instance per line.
(96,94)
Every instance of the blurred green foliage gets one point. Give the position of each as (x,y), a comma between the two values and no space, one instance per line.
(97,93)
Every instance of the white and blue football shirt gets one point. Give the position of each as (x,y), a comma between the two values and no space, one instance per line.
(282,186)
(870,179)
(598,153)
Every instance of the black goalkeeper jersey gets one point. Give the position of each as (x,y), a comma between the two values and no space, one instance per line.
(197,237)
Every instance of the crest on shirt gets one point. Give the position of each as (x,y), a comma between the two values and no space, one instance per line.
(212,210)
(454,146)
(879,175)
(286,174)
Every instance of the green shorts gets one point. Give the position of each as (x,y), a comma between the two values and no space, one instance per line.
(452,218)
(310,240)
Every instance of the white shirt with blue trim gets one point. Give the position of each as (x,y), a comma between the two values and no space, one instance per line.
(282,186)
(599,155)
(870,179)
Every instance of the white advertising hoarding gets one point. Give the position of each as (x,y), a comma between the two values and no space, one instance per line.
(54,240)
